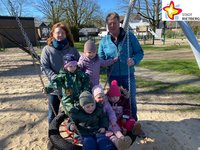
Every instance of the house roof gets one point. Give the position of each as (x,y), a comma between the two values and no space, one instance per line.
(13,18)
(83,30)
(38,24)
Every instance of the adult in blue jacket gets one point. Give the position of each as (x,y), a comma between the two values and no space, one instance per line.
(126,46)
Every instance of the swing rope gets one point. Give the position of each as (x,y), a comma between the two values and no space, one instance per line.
(129,74)
(34,55)
(126,28)
(126,39)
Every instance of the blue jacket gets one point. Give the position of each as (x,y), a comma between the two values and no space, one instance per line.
(108,49)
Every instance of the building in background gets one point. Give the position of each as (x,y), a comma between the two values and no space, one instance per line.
(9,29)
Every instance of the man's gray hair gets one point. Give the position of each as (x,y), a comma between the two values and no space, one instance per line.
(112,15)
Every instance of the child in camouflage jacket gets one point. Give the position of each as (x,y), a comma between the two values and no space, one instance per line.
(72,82)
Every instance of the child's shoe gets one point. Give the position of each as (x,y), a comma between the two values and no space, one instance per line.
(136,129)
(142,134)
(127,142)
(119,143)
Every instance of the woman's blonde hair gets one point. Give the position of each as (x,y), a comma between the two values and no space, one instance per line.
(68,33)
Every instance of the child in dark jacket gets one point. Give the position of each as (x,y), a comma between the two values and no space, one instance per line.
(71,81)
(91,123)
(121,106)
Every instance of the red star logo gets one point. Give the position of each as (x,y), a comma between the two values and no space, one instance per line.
(171,10)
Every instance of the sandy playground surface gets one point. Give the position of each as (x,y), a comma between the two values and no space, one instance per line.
(23,108)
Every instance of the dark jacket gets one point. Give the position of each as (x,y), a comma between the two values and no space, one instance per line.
(72,85)
(89,124)
(122,107)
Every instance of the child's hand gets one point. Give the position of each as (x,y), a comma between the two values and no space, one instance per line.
(73,127)
(102,130)
(115,59)
(47,90)
(113,124)
(124,121)
(125,92)
(124,131)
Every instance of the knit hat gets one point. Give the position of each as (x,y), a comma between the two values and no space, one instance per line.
(97,89)
(114,89)
(89,46)
(69,59)
(85,98)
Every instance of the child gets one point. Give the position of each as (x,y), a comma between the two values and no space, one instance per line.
(91,123)
(121,106)
(90,62)
(72,81)
(121,142)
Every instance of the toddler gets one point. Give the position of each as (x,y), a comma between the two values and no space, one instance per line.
(121,106)
(91,123)
(72,81)
(90,62)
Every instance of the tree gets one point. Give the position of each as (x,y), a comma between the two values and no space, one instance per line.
(51,9)
(148,9)
(19,6)
(81,13)
(76,13)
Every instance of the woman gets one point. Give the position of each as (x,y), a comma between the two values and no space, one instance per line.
(59,43)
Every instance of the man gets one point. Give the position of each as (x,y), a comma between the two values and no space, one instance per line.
(126,46)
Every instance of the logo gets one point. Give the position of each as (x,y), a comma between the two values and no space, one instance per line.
(180,10)
(172,10)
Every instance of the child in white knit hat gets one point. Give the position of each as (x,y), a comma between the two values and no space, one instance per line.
(114,131)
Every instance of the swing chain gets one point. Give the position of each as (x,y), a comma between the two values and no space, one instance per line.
(28,43)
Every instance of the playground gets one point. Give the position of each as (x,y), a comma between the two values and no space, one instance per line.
(170,120)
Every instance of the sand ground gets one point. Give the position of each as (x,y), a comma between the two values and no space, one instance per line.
(166,118)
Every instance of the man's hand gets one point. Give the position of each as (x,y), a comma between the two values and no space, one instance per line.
(130,62)
(115,59)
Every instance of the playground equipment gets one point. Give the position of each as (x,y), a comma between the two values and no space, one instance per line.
(54,132)
(156,35)
(191,39)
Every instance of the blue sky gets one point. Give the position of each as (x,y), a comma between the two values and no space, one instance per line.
(108,5)
(105,5)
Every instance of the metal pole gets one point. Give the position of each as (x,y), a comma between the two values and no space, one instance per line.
(191,39)
(130,9)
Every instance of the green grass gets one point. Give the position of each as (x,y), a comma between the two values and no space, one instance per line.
(184,67)
(166,87)
(169,88)
(160,87)
(79,46)
(165,47)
